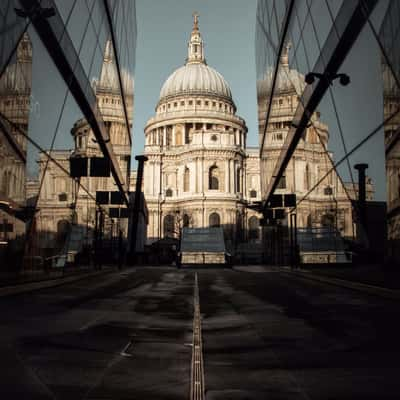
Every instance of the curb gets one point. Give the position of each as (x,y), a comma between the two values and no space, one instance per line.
(391,294)
(48,283)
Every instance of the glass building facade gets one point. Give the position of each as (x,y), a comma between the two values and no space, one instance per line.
(66,109)
(319,90)
(389,36)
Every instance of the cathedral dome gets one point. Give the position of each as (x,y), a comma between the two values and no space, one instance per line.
(195,77)
(109,81)
(288,80)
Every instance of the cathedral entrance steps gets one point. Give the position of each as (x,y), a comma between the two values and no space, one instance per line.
(203,246)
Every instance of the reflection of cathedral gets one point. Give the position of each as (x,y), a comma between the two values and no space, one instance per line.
(391,102)
(328,204)
(199,173)
(15,105)
(62,201)
(15,91)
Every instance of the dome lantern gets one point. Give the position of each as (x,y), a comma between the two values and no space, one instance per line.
(195,46)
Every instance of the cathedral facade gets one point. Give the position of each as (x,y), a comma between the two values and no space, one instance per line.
(69,205)
(198,172)
(310,171)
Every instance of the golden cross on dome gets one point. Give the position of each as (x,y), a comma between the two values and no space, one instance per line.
(195,20)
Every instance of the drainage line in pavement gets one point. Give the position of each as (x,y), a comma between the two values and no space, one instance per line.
(197,368)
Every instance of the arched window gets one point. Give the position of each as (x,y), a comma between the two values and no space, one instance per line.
(213,178)
(186,180)
(307,178)
(253,228)
(186,220)
(328,220)
(169,225)
(168,193)
(214,220)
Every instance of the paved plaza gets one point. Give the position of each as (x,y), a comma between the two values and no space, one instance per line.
(266,334)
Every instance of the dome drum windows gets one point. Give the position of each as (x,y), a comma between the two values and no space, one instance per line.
(277,137)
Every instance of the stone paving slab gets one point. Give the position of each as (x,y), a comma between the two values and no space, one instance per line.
(48,283)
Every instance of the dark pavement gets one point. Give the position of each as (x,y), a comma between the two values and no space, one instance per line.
(266,335)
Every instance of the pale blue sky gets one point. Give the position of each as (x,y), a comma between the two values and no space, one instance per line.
(164,27)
